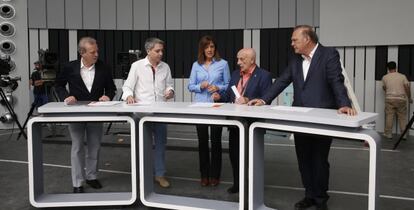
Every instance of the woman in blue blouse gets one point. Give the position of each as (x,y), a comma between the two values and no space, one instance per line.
(209,74)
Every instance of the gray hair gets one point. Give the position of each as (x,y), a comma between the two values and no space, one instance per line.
(83,41)
(151,42)
(308,31)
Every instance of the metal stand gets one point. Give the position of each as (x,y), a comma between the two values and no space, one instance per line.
(27,118)
(13,114)
(409,124)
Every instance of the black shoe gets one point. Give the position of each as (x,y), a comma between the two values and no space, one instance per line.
(322,206)
(78,189)
(304,203)
(233,189)
(94,183)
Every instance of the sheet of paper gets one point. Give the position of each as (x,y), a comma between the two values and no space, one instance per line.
(140,103)
(291,108)
(205,104)
(235,91)
(104,103)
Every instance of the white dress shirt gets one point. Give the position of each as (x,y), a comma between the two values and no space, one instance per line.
(307,61)
(87,74)
(146,86)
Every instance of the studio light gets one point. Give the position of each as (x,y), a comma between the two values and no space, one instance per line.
(7,47)
(7,29)
(7,11)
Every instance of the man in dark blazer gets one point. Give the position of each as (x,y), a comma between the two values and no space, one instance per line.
(89,80)
(251,82)
(318,82)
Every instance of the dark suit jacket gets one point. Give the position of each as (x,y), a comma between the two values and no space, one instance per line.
(256,87)
(324,86)
(103,84)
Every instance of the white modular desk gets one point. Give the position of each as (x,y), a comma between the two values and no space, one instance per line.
(39,198)
(327,122)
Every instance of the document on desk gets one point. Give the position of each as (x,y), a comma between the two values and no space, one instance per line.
(208,105)
(104,103)
(140,103)
(292,108)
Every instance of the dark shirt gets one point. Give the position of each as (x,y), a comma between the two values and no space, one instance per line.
(36,75)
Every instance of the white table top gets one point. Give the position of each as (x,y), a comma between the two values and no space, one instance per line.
(315,115)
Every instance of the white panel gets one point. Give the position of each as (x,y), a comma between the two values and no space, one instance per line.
(189,14)
(341,52)
(410,108)
(37,13)
(393,53)
(359,76)
(379,106)
(55,13)
(270,13)
(157,14)
(287,15)
(73,14)
(349,64)
(205,14)
(91,14)
(33,47)
(304,15)
(256,44)
(73,44)
(124,15)
(179,90)
(43,39)
(237,14)
(187,93)
(366,22)
(33,55)
(370,79)
(173,14)
(316,13)
(140,13)
(247,38)
(221,14)
(254,14)
(108,13)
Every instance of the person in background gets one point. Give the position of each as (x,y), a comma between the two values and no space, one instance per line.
(397,94)
(251,82)
(149,80)
(89,79)
(210,74)
(318,82)
(39,90)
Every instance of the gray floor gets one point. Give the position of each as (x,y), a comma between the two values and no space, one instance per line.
(348,182)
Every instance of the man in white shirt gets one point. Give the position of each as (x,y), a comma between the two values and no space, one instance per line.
(149,80)
(89,80)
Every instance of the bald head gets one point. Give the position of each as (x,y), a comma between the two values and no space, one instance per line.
(246,58)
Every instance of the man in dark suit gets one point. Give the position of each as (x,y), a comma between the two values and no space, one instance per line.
(251,82)
(89,80)
(317,82)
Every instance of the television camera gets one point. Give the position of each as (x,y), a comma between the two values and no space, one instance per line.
(10,83)
(6,81)
(125,59)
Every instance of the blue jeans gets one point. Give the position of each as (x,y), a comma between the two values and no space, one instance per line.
(40,99)
(159,132)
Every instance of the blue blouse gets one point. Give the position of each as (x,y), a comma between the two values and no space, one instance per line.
(217,74)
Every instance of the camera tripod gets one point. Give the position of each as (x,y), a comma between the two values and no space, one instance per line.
(13,114)
(33,106)
(409,124)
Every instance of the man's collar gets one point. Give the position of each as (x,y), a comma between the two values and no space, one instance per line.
(250,71)
(82,65)
(311,53)
(147,62)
